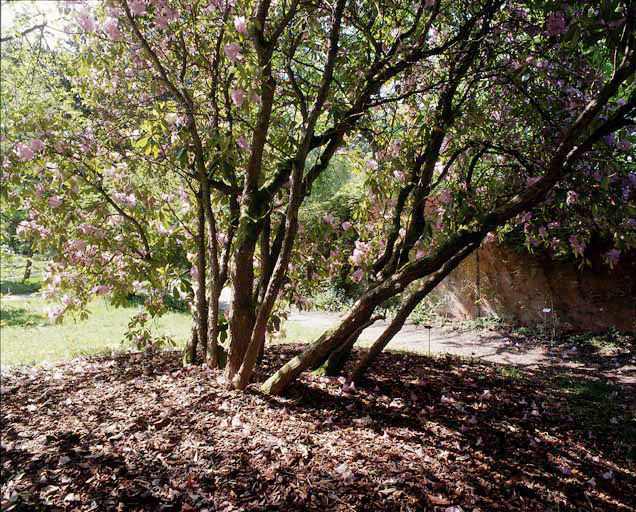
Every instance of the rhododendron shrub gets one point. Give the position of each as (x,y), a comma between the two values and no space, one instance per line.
(198,129)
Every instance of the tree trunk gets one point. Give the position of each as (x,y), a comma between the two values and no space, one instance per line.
(414,299)
(29,263)
(243,313)
(321,348)
(202,303)
(337,359)
(190,351)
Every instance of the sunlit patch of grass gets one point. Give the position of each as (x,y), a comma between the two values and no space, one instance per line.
(511,372)
(29,337)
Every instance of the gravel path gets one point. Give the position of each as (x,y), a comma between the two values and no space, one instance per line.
(488,345)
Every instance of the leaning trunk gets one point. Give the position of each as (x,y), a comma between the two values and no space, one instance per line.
(404,312)
(337,359)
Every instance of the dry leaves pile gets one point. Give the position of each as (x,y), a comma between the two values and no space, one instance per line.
(139,432)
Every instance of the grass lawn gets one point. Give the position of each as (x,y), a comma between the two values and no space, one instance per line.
(28,336)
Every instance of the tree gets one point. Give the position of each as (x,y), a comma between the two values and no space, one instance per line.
(244,106)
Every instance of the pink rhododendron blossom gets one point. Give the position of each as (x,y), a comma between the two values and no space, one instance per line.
(346,225)
(555,24)
(194,272)
(23,151)
(578,247)
(55,201)
(37,145)
(243,144)
(171,14)
(55,313)
(111,27)
(491,237)
(161,21)
(238,97)
(419,254)
(233,51)
(85,21)
(571,197)
(137,7)
(330,219)
(240,24)
(400,176)
(102,289)
(445,196)
(129,200)
(372,165)
(78,245)
(137,286)
(612,257)
(357,276)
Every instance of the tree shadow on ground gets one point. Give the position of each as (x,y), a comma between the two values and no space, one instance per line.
(10,316)
(139,432)
(15,287)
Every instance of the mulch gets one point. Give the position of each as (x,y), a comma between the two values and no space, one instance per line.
(138,431)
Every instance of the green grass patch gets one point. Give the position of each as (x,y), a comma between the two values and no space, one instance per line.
(28,336)
(12,273)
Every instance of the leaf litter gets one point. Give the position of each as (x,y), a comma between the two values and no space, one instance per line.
(139,432)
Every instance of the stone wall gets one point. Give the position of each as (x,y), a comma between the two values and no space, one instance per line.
(517,286)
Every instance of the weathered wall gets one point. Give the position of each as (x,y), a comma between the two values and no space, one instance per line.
(498,281)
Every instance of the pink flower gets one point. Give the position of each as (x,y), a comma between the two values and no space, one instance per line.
(532,180)
(572,197)
(357,276)
(23,151)
(329,219)
(419,254)
(37,145)
(171,14)
(161,21)
(255,98)
(555,24)
(78,245)
(194,272)
(400,176)
(243,144)
(445,196)
(346,225)
(55,201)
(577,247)
(85,229)
(612,257)
(102,290)
(240,24)
(111,27)
(55,313)
(372,165)
(233,51)
(137,7)
(238,97)
(624,145)
(85,21)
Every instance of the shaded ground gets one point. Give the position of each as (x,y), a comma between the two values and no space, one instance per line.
(504,346)
(138,432)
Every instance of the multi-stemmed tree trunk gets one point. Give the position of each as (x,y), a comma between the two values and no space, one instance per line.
(579,138)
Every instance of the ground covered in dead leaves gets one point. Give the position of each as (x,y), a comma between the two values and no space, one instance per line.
(139,432)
